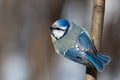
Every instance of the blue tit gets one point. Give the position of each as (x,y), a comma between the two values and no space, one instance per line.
(74,43)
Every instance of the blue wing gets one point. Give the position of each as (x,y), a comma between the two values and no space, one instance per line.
(75,55)
(85,43)
(97,60)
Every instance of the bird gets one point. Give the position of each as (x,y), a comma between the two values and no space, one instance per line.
(74,43)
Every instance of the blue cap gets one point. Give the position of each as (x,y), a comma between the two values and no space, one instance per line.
(63,23)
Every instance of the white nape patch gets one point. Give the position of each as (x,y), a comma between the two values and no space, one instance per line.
(58,33)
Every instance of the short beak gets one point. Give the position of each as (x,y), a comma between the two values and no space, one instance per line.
(51,28)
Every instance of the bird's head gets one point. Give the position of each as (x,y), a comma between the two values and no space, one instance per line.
(59,28)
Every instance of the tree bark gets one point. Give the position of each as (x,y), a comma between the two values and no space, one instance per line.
(96,32)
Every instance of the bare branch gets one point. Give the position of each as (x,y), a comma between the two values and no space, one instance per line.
(96,31)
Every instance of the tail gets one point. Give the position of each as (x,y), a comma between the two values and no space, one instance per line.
(98,61)
(104,59)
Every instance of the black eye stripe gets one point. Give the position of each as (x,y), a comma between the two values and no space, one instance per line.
(54,36)
(51,28)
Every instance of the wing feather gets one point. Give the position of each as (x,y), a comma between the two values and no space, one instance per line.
(85,43)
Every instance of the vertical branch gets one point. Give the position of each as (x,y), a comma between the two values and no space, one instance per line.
(96,31)
(97,21)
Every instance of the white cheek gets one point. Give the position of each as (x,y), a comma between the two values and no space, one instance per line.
(58,33)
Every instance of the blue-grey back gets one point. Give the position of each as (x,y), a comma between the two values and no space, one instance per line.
(68,40)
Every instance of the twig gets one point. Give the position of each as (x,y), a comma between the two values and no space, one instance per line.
(96,31)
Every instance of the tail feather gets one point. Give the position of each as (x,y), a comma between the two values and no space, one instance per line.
(104,59)
(95,61)
(98,60)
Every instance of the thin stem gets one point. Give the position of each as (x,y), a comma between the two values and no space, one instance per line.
(96,32)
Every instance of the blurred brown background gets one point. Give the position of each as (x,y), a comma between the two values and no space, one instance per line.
(26,52)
